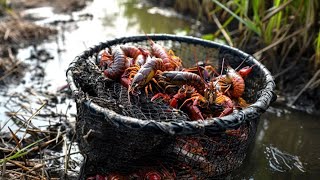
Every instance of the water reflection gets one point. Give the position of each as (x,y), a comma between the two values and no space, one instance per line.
(281,161)
(286,147)
(151,20)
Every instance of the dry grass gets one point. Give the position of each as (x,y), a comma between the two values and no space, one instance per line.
(30,151)
(17,32)
(60,6)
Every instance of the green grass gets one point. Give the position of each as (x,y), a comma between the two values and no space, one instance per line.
(317,48)
(20,153)
(4,8)
(276,24)
(249,24)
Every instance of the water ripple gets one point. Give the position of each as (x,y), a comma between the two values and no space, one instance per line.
(282,161)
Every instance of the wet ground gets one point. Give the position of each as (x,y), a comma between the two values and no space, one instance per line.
(287,143)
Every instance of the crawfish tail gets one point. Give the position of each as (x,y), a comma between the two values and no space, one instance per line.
(138,55)
(238,84)
(119,64)
(131,51)
(181,78)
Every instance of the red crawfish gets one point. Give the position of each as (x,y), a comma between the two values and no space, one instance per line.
(233,83)
(104,58)
(174,99)
(193,102)
(225,102)
(236,81)
(153,175)
(190,98)
(119,64)
(145,74)
(183,78)
(193,109)
(245,71)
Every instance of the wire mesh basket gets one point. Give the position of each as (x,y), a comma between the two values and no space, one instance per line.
(118,135)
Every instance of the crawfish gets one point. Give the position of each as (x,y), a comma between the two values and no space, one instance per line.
(191,99)
(104,58)
(145,74)
(234,79)
(158,174)
(206,72)
(244,72)
(170,61)
(173,100)
(116,69)
(225,102)
(138,55)
(181,78)
(192,105)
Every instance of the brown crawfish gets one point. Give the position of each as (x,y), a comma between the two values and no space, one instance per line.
(119,64)
(138,55)
(170,61)
(145,74)
(181,78)
(104,58)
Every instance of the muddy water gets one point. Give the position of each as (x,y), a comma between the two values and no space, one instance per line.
(287,143)
(287,146)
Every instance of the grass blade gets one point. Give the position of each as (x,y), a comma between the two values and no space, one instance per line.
(246,22)
(21,152)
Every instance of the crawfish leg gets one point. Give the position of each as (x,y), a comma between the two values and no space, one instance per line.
(164,97)
(193,109)
(226,111)
(196,110)
(158,86)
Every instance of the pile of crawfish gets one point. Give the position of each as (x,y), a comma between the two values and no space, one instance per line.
(199,91)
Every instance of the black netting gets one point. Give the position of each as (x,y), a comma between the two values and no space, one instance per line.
(125,134)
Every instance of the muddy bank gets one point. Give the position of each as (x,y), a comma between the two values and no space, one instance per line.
(15,34)
(19,31)
(60,6)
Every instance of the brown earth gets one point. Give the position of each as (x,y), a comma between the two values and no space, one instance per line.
(60,6)
(17,32)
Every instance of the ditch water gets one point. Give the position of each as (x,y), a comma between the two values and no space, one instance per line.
(287,144)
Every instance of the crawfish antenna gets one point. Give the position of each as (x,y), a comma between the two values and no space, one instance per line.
(198,67)
(241,63)
(219,77)
(222,66)
(149,39)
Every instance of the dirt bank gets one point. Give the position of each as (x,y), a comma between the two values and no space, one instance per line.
(17,32)
(60,6)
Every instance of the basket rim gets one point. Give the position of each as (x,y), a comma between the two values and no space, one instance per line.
(208,126)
